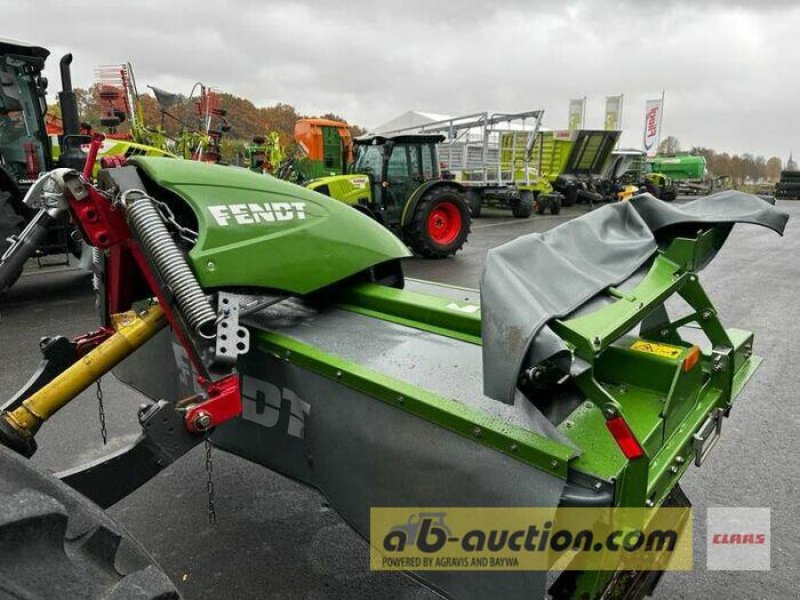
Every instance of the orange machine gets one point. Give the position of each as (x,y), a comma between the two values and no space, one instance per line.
(327,146)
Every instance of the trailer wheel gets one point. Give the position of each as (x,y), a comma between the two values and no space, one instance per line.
(523,208)
(540,206)
(56,543)
(555,205)
(570,196)
(440,225)
(474,201)
(11,224)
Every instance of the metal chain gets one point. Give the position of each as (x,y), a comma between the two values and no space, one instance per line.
(101,412)
(212,509)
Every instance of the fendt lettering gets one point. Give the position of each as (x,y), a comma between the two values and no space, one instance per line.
(250,214)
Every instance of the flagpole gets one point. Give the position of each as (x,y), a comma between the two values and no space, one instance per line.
(583,116)
(660,121)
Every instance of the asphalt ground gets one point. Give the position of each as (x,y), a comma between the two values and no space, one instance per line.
(275,539)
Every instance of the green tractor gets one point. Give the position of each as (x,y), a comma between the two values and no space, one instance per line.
(279,327)
(27,151)
(397,181)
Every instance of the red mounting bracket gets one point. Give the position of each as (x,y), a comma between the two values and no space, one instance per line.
(224,403)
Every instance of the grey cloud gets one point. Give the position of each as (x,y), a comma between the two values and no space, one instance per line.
(722,64)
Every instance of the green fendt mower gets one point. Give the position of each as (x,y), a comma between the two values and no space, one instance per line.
(397,181)
(275,323)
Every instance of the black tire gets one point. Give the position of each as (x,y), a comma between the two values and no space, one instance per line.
(555,205)
(570,196)
(11,224)
(418,235)
(474,201)
(540,205)
(523,208)
(668,195)
(54,543)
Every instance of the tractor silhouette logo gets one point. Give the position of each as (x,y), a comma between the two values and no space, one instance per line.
(427,531)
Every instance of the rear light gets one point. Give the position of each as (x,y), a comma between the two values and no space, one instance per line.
(624,437)
(691,359)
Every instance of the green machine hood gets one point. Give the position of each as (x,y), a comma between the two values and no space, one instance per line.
(259,231)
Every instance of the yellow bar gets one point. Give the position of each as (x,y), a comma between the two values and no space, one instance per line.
(132,331)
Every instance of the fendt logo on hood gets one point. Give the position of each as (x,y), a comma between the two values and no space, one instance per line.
(250,214)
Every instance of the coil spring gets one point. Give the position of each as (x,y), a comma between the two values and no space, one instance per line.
(146,221)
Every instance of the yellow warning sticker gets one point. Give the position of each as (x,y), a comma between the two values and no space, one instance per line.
(664,350)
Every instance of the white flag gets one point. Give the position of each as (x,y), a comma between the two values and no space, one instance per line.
(652,125)
(577,108)
(613,112)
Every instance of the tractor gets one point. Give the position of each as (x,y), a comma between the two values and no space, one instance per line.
(397,181)
(275,323)
(26,150)
(630,172)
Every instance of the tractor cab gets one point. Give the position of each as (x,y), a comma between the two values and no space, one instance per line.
(396,166)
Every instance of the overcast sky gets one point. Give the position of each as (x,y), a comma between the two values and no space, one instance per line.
(728,68)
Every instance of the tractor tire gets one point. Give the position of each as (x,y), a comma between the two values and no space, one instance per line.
(570,196)
(54,543)
(474,202)
(668,195)
(440,224)
(555,205)
(10,224)
(523,208)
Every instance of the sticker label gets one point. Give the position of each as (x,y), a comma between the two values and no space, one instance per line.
(663,350)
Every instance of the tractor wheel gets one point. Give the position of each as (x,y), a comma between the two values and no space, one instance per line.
(668,195)
(555,205)
(10,224)
(474,201)
(440,224)
(523,208)
(56,543)
(570,196)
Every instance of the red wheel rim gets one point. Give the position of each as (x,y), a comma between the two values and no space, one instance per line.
(444,223)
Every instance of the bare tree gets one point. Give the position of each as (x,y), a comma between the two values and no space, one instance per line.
(669,145)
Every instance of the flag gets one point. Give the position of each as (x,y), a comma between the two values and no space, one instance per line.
(577,108)
(652,125)
(613,113)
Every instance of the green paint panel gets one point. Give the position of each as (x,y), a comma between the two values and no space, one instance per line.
(444,316)
(259,231)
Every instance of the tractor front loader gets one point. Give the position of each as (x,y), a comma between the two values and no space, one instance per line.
(278,326)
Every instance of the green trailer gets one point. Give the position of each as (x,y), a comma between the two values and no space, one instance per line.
(687,170)
(279,327)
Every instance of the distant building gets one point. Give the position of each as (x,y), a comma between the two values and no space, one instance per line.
(791,165)
(409,120)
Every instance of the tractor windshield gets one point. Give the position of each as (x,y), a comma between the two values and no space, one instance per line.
(369,160)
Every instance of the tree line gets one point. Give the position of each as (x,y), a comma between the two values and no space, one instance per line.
(246,120)
(744,168)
